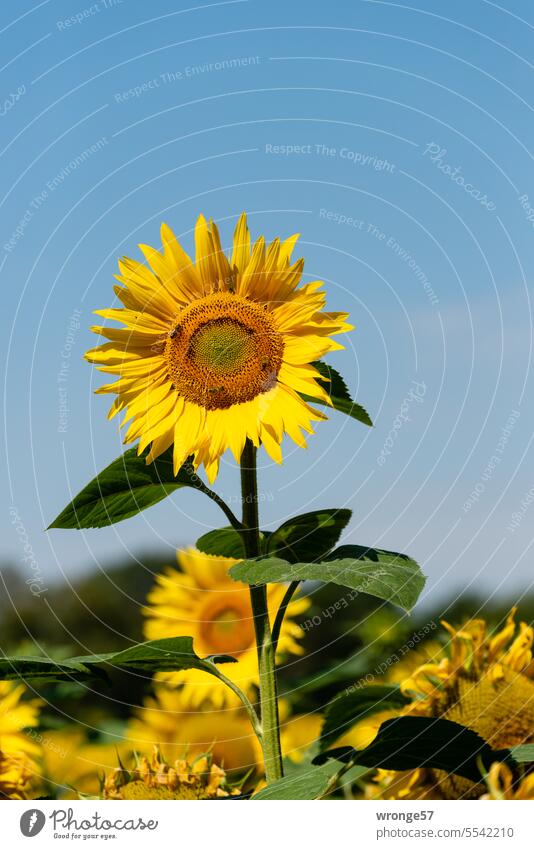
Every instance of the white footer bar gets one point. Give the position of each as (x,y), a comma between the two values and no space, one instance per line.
(234,824)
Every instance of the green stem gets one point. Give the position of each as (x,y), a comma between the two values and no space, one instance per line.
(232,518)
(249,707)
(272,754)
(279,618)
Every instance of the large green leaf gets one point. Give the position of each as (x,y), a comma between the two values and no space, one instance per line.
(386,575)
(41,668)
(410,742)
(353,705)
(125,487)
(307,783)
(523,754)
(339,394)
(224,542)
(308,537)
(170,654)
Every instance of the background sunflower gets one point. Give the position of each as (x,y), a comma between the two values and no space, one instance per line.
(201,600)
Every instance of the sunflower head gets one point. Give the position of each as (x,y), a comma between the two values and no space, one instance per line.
(156,779)
(202,601)
(502,785)
(20,753)
(17,776)
(218,350)
(167,721)
(482,681)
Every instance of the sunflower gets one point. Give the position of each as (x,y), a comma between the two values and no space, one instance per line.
(156,779)
(19,749)
(165,721)
(202,601)
(216,351)
(298,734)
(73,764)
(501,785)
(482,681)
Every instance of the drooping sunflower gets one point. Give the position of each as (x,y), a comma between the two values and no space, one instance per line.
(156,779)
(482,681)
(502,787)
(202,601)
(165,720)
(216,351)
(19,750)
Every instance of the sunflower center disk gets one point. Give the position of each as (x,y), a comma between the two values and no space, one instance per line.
(223,346)
(223,350)
(226,628)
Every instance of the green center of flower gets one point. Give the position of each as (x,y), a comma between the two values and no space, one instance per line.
(224,346)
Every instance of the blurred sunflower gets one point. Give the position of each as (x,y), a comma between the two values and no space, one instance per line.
(501,785)
(298,734)
(72,764)
(202,601)
(216,351)
(165,721)
(156,779)
(19,751)
(481,681)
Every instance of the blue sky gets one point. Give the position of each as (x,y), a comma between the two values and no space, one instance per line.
(397,140)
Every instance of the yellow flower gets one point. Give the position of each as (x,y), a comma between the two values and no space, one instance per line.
(166,722)
(17,776)
(298,734)
(73,764)
(204,602)
(155,779)
(501,785)
(481,681)
(19,751)
(216,350)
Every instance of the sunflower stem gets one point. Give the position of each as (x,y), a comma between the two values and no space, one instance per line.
(249,707)
(272,754)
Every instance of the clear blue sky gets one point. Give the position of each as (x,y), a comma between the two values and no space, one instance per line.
(397,139)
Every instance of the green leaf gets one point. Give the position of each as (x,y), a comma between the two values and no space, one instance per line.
(523,754)
(125,487)
(41,668)
(336,387)
(351,706)
(384,574)
(307,785)
(410,742)
(225,542)
(170,654)
(310,536)
(307,782)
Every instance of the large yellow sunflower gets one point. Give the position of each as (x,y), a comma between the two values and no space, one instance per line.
(19,749)
(166,721)
(202,601)
(216,350)
(481,681)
